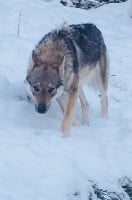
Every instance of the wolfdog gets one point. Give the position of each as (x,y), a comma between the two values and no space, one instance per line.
(59,66)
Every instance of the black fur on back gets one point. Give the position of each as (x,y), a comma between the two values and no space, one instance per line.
(88,39)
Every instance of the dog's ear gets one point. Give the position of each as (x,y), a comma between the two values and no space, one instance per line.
(34,56)
(61,69)
(36,59)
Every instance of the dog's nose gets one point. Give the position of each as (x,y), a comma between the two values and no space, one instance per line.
(42,108)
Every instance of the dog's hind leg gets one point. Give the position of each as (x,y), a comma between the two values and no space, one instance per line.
(84,106)
(103,83)
(104,104)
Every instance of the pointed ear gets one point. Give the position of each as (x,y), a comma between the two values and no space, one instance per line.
(34,56)
(62,68)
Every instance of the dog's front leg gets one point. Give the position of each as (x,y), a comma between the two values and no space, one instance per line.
(69,111)
(61,101)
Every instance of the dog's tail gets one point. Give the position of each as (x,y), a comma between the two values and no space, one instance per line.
(103,82)
(104,70)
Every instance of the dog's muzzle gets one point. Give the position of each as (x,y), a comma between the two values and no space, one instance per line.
(41,108)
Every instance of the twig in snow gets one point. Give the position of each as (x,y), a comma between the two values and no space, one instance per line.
(19,22)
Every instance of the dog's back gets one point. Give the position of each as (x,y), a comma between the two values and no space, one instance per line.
(84,41)
(87,38)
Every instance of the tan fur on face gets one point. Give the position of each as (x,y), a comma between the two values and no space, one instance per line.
(43,98)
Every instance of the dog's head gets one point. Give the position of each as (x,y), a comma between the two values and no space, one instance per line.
(43,82)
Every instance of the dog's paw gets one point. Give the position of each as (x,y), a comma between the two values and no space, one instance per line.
(105,115)
(65,129)
(85,122)
(75,123)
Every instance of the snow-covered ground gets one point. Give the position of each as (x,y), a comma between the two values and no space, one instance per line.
(130,8)
(36,162)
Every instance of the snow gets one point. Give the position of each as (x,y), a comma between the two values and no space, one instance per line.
(130,8)
(36,162)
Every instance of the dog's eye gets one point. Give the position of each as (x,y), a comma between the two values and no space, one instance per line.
(52,91)
(36,88)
